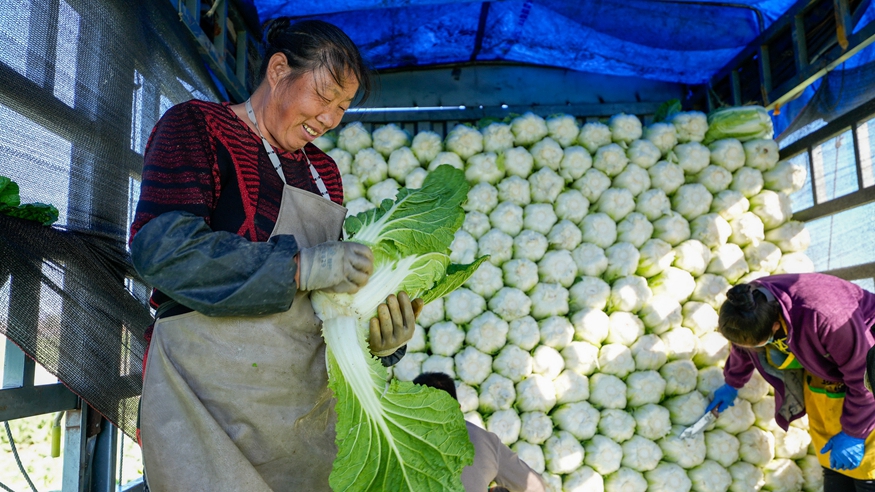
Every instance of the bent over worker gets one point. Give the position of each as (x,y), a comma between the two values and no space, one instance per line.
(493,460)
(239,219)
(808,335)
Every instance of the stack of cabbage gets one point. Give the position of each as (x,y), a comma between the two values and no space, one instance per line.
(588,340)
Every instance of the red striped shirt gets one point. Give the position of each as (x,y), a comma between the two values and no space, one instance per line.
(200,156)
(202,159)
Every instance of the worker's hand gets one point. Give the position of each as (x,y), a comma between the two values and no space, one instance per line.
(846,452)
(724,397)
(335,266)
(394,324)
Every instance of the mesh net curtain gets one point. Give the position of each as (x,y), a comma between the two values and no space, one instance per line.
(81,86)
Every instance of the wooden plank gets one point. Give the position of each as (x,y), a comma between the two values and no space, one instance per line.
(215,59)
(242,56)
(736,88)
(765,71)
(833,58)
(763,39)
(801,47)
(845,46)
(844,24)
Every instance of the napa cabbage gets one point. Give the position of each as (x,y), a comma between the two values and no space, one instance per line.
(382,434)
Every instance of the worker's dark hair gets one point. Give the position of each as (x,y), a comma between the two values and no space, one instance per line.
(437,380)
(747,316)
(313,44)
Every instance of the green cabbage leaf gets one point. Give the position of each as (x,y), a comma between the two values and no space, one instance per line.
(741,122)
(10,204)
(398,435)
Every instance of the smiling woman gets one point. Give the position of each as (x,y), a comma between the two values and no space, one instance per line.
(310,76)
(233,234)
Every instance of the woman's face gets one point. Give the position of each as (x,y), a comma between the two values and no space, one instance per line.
(775,327)
(302,109)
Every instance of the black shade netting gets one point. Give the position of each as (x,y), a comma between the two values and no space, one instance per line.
(69,308)
(839,92)
(82,83)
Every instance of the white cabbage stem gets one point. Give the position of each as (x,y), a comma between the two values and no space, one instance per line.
(343,341)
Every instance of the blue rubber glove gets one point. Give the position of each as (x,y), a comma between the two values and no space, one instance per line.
(724,398)
(846,452)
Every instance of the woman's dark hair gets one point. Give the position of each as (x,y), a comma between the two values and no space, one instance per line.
(437,380)
(747,316)
(313,44)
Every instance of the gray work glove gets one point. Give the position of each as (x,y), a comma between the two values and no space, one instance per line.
(335,266)
(394,324)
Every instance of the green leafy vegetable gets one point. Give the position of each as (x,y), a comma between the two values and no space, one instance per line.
(37,212)
(742,123)
(10,204)
(455,277)
(488,120)
(9,192)
(667,109)
(401,436)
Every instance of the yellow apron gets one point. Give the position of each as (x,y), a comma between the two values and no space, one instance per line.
(242,403)
(823,404)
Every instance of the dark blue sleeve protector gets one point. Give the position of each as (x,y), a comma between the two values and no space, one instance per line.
(216,273)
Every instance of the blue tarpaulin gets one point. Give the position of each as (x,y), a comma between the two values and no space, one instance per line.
(675,41)
(678,41)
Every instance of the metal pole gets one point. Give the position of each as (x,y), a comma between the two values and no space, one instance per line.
(74,447)
(103,463)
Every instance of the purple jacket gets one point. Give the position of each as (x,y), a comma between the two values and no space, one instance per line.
(829,324)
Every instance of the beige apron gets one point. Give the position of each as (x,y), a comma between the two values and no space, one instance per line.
(242,403)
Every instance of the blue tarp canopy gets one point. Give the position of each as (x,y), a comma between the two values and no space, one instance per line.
(671,40)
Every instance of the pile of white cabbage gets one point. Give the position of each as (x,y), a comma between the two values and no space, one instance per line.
(588,340)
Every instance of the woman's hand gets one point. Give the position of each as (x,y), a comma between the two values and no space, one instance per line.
(846,452)
(394,324)
(335,266)
(724,398)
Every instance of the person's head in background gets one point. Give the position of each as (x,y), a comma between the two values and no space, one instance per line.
(437,380)
(747,318)
(310,74)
